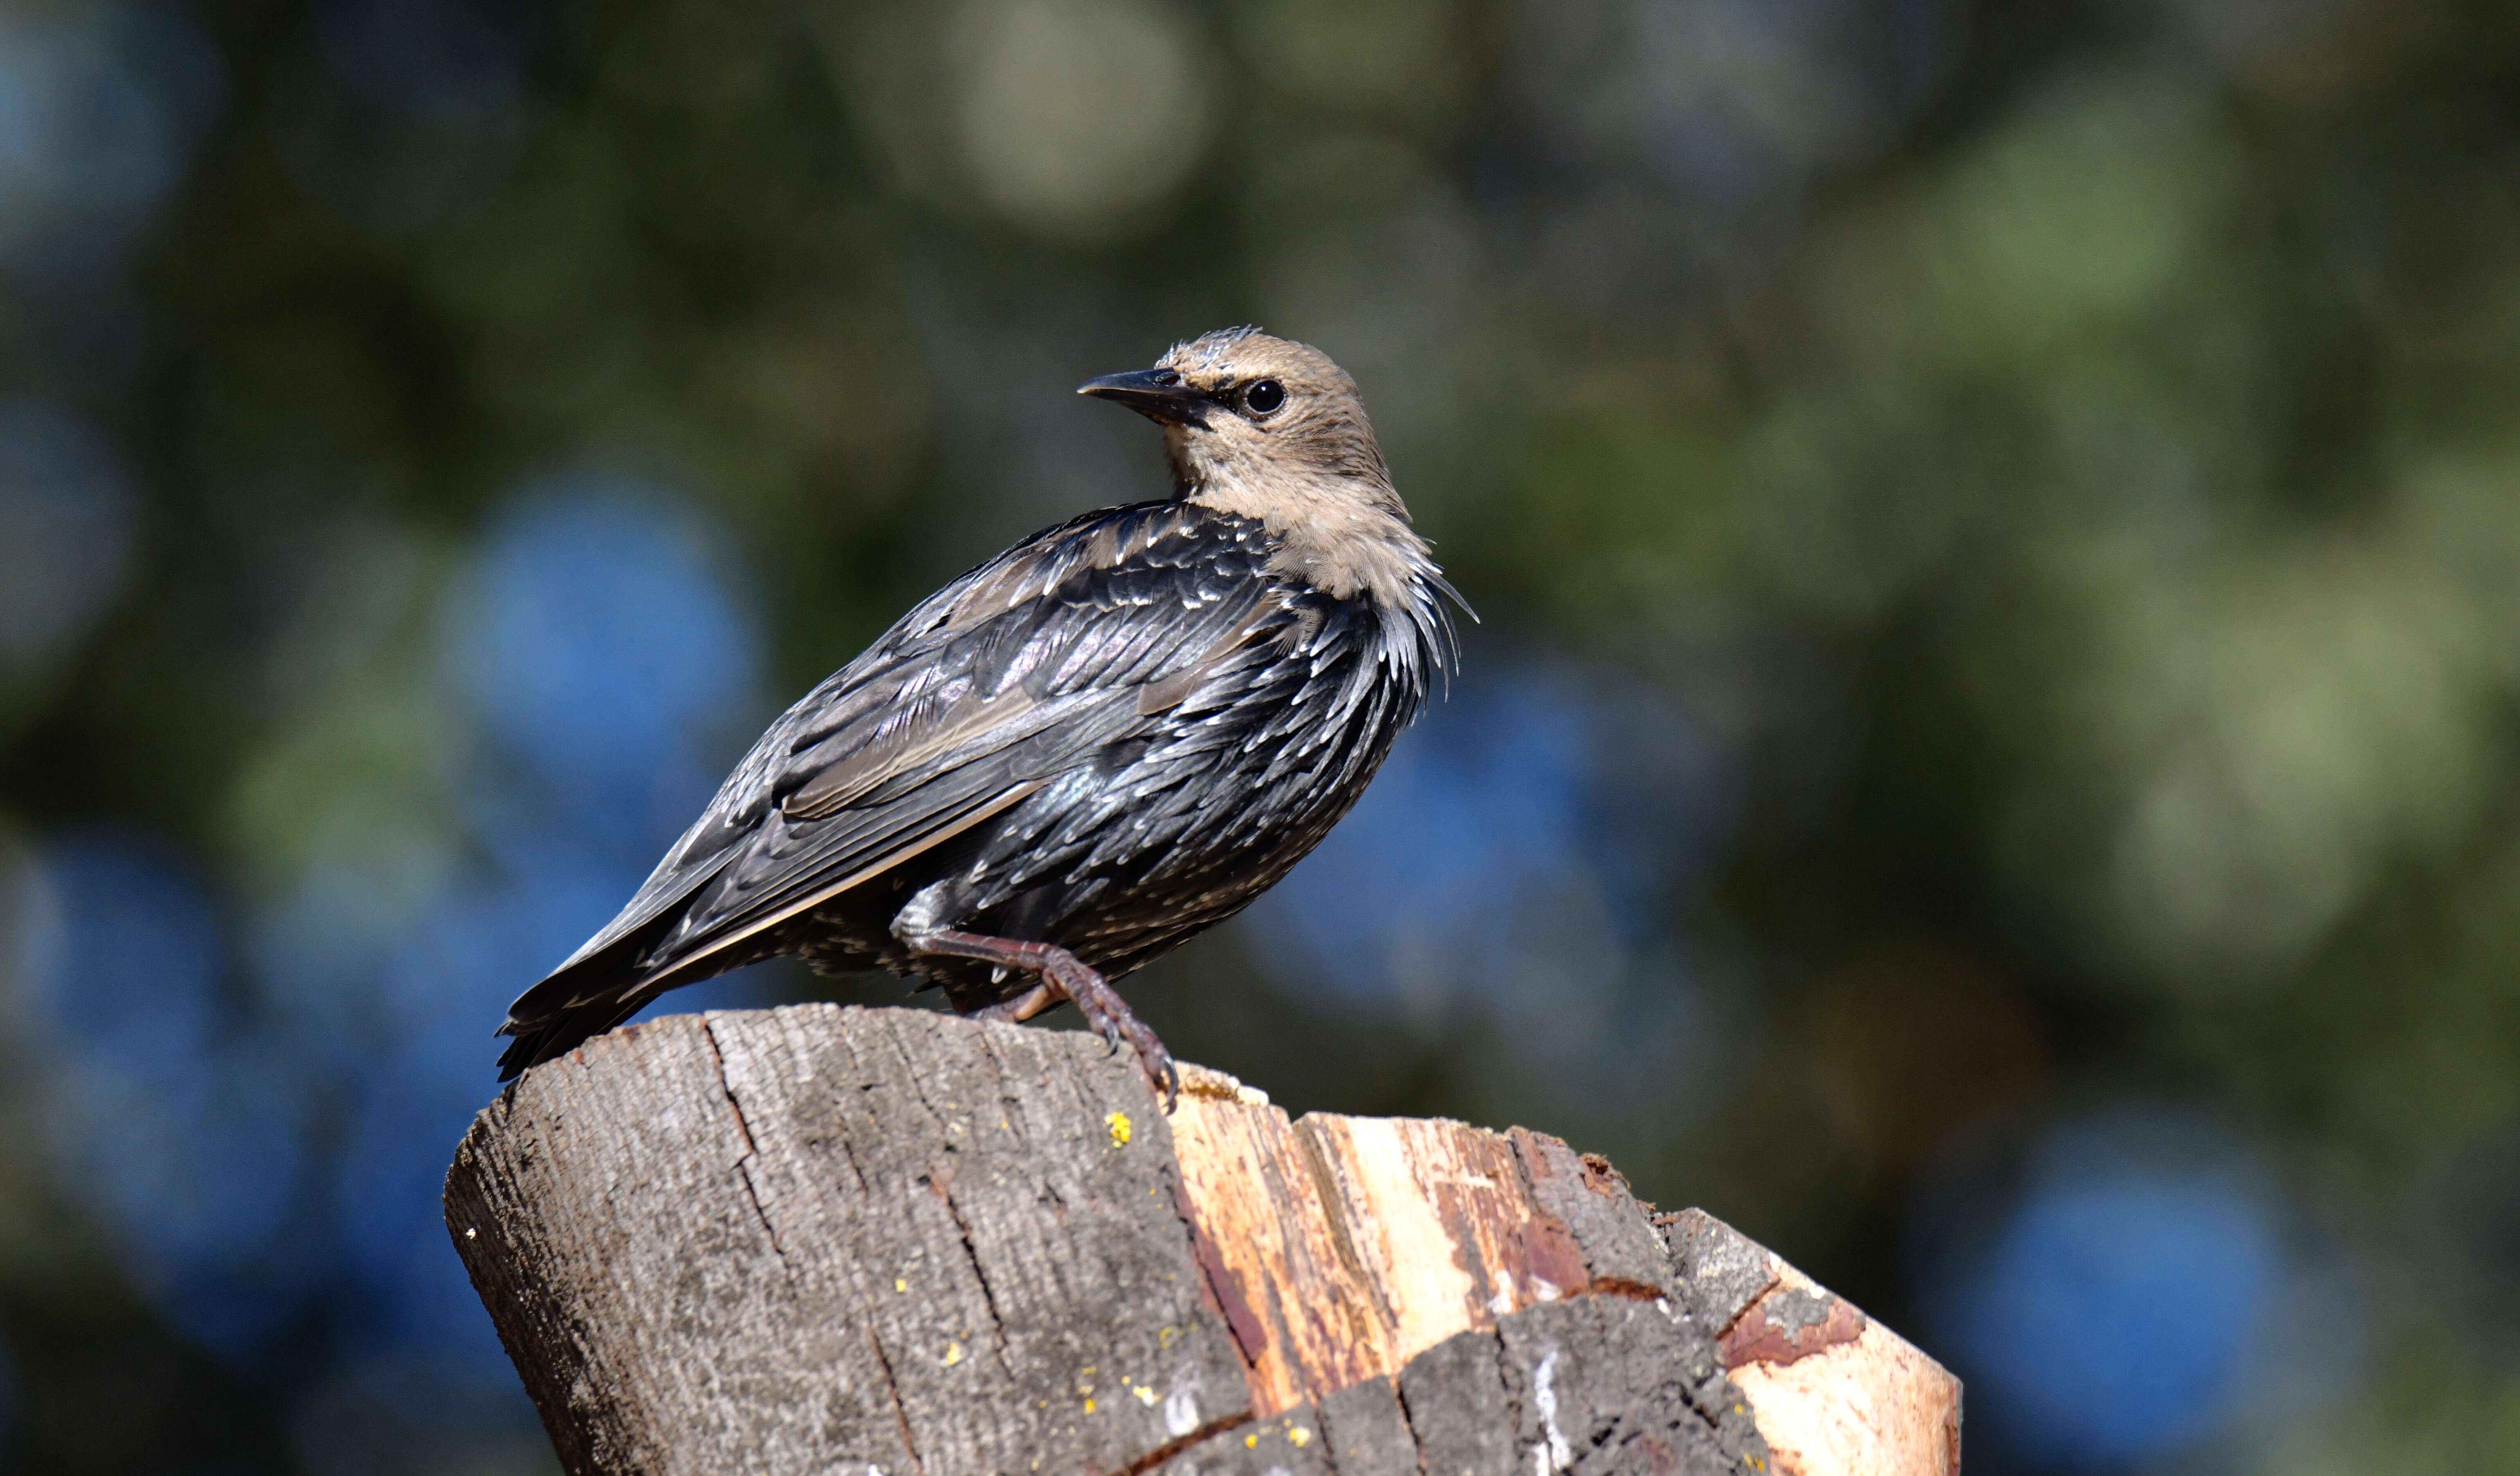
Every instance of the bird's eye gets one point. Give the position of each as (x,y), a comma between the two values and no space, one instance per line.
(1263,396)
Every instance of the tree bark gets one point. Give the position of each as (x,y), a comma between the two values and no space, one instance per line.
(844,1241)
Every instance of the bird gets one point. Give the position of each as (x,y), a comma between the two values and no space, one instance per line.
(1082,752)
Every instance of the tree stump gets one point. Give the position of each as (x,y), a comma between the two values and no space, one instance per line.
(847,1241)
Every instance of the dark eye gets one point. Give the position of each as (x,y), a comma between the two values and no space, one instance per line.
(1263,396)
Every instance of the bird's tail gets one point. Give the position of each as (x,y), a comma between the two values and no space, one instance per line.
(555,1035)
(577,1001)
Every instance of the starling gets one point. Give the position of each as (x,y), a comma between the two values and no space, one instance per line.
(1080,754)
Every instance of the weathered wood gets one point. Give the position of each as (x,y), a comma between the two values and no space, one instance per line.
(1594,1385)
(805,1239)
(843,1240)
(1835,1391)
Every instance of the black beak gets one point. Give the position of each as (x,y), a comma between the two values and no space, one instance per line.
(1159,394)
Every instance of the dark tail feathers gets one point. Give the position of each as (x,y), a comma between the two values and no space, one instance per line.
(557,1035)
(577,1002)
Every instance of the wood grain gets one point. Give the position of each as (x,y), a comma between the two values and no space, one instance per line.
(858,1241)
(774,1242)
(1837,1393)
(1341,1247)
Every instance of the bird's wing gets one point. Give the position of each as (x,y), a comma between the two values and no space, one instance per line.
(1016,672)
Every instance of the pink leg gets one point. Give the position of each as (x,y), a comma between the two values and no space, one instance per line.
(1062,976)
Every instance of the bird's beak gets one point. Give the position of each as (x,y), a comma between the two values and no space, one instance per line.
(1159,394)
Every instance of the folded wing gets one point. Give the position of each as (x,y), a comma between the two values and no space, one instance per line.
(1018,671)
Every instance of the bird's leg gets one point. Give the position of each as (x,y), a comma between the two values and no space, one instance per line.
(1062,976)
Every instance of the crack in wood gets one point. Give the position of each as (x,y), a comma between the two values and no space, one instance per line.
(1172,1448)
(942,1186)
(1224,1290)
(900,1410)
(1412,1280)
(971,1255)
(1409,1423)
(1509,1384)
(752,1150)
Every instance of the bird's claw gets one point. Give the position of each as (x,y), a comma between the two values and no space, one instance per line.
(1110,1016)
(1063,977)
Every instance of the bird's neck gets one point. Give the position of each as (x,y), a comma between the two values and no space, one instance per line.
(1348,541)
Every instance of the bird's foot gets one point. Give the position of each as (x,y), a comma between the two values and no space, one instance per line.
(1105,1011)
(1062,976)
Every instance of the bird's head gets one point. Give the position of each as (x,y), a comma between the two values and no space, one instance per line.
(1247,414)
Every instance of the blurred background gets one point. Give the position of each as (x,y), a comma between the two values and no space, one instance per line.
(1992,759)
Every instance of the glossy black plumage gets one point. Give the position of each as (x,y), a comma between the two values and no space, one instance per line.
(1109,738)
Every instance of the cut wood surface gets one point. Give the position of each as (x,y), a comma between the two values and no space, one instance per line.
(1835,1391)
(836,1240)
